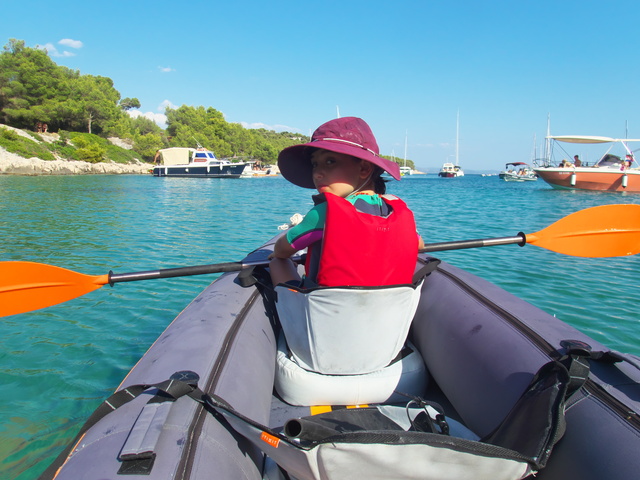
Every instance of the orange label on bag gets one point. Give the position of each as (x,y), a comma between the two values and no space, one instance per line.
(270,439)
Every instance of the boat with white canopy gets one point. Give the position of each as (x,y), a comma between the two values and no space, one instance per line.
(518,172)
(612,172)
(195,162)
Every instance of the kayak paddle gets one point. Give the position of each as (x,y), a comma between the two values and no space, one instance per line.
(27,286)
(604,231)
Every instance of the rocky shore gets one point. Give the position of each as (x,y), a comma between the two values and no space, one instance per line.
(12,164)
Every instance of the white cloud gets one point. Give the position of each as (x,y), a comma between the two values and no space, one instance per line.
(275,128)
(158,117)
(52,50)
(166,69)
(71,43)
(166,103)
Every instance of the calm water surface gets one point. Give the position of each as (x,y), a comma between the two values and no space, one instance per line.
(58,364)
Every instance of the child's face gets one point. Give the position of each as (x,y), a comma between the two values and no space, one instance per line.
(336,173)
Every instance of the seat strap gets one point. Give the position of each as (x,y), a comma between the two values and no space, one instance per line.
(429,264)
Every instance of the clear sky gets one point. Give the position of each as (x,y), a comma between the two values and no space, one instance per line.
(407,67)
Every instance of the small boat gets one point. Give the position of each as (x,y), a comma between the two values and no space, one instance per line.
(252,171)
(518,172)
(611,173)
(449,170)
(481,345)
(195,162)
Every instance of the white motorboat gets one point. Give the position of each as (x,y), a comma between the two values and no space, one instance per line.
(450,170)
(195,162)
(518,172)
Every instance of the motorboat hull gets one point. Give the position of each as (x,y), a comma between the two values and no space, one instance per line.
(591,178)
(481,350)
(232,170)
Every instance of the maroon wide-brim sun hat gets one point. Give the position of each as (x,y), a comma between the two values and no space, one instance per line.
(348,135)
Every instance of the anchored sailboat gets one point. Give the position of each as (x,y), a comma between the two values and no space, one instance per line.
(449,170)
(404,170)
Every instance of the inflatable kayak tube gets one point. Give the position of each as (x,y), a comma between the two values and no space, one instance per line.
(482,348)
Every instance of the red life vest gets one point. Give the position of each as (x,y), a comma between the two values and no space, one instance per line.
(360,249)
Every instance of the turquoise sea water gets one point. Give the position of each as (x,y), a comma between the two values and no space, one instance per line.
(59,363)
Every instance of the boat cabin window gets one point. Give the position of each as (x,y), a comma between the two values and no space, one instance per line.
(203,156)
(609,161)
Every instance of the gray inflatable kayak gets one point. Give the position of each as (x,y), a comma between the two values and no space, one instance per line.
(482,347)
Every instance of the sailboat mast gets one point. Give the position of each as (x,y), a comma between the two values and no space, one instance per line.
(405,148)
(547,143)
(457,135)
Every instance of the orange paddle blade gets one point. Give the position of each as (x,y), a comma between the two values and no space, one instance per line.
(604,231)
(27,286)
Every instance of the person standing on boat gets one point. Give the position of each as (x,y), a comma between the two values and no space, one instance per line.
(355,234)
(576,161)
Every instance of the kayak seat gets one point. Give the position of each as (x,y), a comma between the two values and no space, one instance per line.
(341,345)
(298,386)
(346,330)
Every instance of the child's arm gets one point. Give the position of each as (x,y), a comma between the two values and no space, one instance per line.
(308,231)
(282,248)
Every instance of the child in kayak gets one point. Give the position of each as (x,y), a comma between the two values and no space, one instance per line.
(355,235)
(347,320)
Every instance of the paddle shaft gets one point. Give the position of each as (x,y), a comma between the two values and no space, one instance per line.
(186,271)
(237,266)
(520,239)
